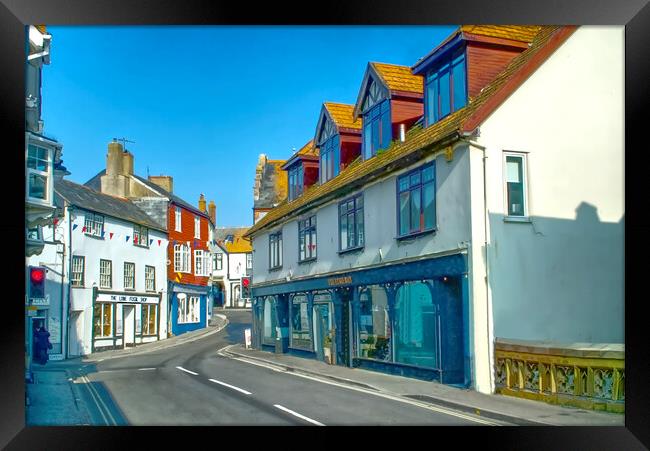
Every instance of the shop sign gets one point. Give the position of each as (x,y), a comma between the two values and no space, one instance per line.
(40,301)
(102,297)
(335,281)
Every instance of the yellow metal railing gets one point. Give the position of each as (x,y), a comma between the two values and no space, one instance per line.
(591,377)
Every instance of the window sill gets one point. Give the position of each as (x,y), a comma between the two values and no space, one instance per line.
(524,219)
(129,289)
(105,288)
(141,245)
(350,250)
(412,236)
(307,260)
(77,286)
(97,237)
(275,268)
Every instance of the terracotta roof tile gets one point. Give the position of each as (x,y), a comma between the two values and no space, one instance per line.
(524,33)
(343,115)
(399,78)
(416,140)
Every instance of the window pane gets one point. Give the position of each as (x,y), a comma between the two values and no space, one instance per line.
(300,337)
(513,169)
(403,183)
(359,217)
(386,132)
(358,202)
(404,213)
(375,136)
(344,231)
(458,75)
(427,174)
(37,184)
(351,237)
(429,206)
(515,199)
(301,245)
(432,101)
(367,140)
(312,251)
(444,93)
(415,210)
(414,179)
(417,338)
(374,325)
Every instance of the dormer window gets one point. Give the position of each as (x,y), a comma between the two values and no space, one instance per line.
(446,87)
(296,183)
(377,132)
(330,155)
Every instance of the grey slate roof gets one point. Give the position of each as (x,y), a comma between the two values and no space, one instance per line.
(95,183)
(89,199)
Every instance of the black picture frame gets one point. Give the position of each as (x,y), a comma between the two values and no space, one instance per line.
(634,14)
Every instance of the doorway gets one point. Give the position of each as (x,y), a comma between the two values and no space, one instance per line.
(322,329)
(75,342)
(128,321)
(33,324)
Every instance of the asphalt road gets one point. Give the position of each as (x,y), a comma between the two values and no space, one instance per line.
(191,384)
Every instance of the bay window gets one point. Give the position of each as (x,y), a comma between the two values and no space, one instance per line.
(330,157)
(38,173)
(377,132)
(446,87)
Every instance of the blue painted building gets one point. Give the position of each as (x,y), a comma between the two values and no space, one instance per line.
(189,305)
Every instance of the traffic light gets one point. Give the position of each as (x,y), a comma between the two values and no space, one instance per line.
(36,282)
(245,287)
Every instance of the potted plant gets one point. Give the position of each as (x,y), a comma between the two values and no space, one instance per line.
(327,347)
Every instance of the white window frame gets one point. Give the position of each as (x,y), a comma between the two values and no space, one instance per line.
(197,227)
(182,261)
(249,260)
(47,174)
(131,277)
(149,278)
(77,273)
(198,262)
(218,261)
(178,220)
(524,171)
(94,224)
(102,275)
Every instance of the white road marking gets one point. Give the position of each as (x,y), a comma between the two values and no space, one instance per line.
(387,396)
(270,367)
(296,414)
(187,371)
(230,386)
(146,369)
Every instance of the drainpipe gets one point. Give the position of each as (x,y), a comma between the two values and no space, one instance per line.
(466,137)
(70,209)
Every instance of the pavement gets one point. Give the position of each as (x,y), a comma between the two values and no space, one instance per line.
(503,408)
(53,398)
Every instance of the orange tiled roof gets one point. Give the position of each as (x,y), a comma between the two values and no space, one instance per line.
(343,115)
(239,244)
(399,78)
(308,149)
(416,139)
(281,179)
(525,33)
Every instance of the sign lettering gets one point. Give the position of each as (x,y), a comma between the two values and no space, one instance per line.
(339,280)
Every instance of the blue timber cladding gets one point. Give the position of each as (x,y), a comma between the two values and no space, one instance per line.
(396,272)
(189,291)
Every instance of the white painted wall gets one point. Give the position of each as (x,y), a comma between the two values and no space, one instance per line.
(118,250)
(560,277)
(380,209)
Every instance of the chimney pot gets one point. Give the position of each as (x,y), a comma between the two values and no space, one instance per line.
(212,209)
(202,203)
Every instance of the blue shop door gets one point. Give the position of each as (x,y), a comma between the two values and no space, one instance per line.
(322,328)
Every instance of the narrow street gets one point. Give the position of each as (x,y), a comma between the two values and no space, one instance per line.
(191,384)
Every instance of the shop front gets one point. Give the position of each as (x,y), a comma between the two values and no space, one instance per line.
(409,319)
(188,307)
(124,319)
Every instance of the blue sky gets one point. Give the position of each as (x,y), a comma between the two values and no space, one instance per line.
(201,103)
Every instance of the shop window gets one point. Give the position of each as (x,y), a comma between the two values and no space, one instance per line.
(374,325)
(417,316)
(149,319)
(103,320)
(188,309)
(300,327)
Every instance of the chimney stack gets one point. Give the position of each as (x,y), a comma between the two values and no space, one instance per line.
(166,182)
(119,164)
(202,203)
(212,208)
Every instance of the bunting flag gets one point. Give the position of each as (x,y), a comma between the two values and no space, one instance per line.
(103,233)
(127,238)
(158,242)
(74,226)
(111,235)
(84,229)
(135,239)
(150,241)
